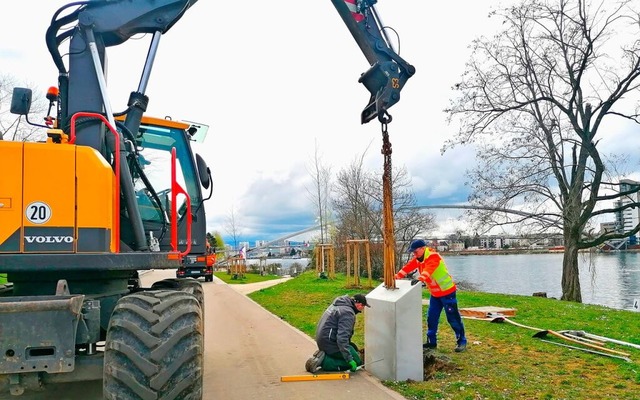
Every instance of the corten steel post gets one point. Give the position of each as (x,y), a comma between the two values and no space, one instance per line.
(387,211)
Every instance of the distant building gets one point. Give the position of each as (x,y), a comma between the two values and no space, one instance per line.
(513,242)
(628,218)
(491,242)
(442,245)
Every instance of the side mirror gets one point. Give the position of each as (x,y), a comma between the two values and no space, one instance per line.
(204,173)
(21,101)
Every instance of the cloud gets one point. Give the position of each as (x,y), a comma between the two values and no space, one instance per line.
(270,204)
(440,179)
(275,82)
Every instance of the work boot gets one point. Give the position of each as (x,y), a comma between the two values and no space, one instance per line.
(460,347)
(313,364)
(429,346)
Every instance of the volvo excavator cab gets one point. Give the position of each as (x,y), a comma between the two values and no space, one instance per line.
(154,143)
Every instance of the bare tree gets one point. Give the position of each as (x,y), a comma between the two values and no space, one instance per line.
(358,202)
(231,227)
(14,127)
(354,207)
(320,194)
(533,99)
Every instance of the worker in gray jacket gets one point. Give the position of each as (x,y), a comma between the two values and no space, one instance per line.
(335,351)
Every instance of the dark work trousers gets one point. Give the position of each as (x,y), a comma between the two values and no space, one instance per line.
(450,305)
(336,362)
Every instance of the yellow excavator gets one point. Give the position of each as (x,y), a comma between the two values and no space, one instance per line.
(110,194)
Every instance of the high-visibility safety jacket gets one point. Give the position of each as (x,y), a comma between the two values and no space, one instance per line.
(433,272)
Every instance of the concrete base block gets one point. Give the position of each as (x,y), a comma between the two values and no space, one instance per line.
(393,332)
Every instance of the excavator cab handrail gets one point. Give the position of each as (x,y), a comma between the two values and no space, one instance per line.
(175,190)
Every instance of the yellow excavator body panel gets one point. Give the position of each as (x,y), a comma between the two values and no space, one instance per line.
(56,198)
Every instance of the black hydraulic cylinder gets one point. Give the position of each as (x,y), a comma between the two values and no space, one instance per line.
(129,194)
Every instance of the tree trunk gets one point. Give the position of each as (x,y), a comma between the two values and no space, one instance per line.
(570,272)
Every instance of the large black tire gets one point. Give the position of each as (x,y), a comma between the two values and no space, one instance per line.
(188,285)
(154,347)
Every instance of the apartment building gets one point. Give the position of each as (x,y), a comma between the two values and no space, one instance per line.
(627,219)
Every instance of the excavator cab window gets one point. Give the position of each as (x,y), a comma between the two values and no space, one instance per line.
(154,145)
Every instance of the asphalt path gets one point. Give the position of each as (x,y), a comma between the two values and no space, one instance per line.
(247,352)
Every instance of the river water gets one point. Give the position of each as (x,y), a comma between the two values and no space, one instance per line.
(609,279)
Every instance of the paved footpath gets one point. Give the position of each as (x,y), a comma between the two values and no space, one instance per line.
(248,350)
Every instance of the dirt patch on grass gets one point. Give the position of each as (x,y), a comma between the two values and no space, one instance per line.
(437,363)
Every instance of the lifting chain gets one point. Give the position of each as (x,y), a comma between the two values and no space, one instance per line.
(387,208)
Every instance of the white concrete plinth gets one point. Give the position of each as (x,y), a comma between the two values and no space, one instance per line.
(393,332)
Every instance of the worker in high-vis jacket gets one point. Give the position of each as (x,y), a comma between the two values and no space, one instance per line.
(434,274)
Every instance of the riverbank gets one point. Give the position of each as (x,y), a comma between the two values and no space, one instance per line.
(610,278)
(502,361)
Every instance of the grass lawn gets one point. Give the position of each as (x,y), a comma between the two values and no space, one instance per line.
(247,278)
(502,361)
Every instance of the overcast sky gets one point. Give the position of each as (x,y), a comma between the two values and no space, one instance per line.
(274,78)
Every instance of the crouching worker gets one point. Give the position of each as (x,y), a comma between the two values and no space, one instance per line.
(335,351)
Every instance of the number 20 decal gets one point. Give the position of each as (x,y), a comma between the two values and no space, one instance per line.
(38,212)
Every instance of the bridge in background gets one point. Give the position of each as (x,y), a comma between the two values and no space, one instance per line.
(614,244)
(545,219)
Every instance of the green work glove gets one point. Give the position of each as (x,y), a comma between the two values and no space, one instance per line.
(353,365)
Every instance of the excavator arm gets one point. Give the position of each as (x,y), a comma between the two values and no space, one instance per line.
(389,72)
(100,24)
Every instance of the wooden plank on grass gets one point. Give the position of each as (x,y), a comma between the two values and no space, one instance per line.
(483,312)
